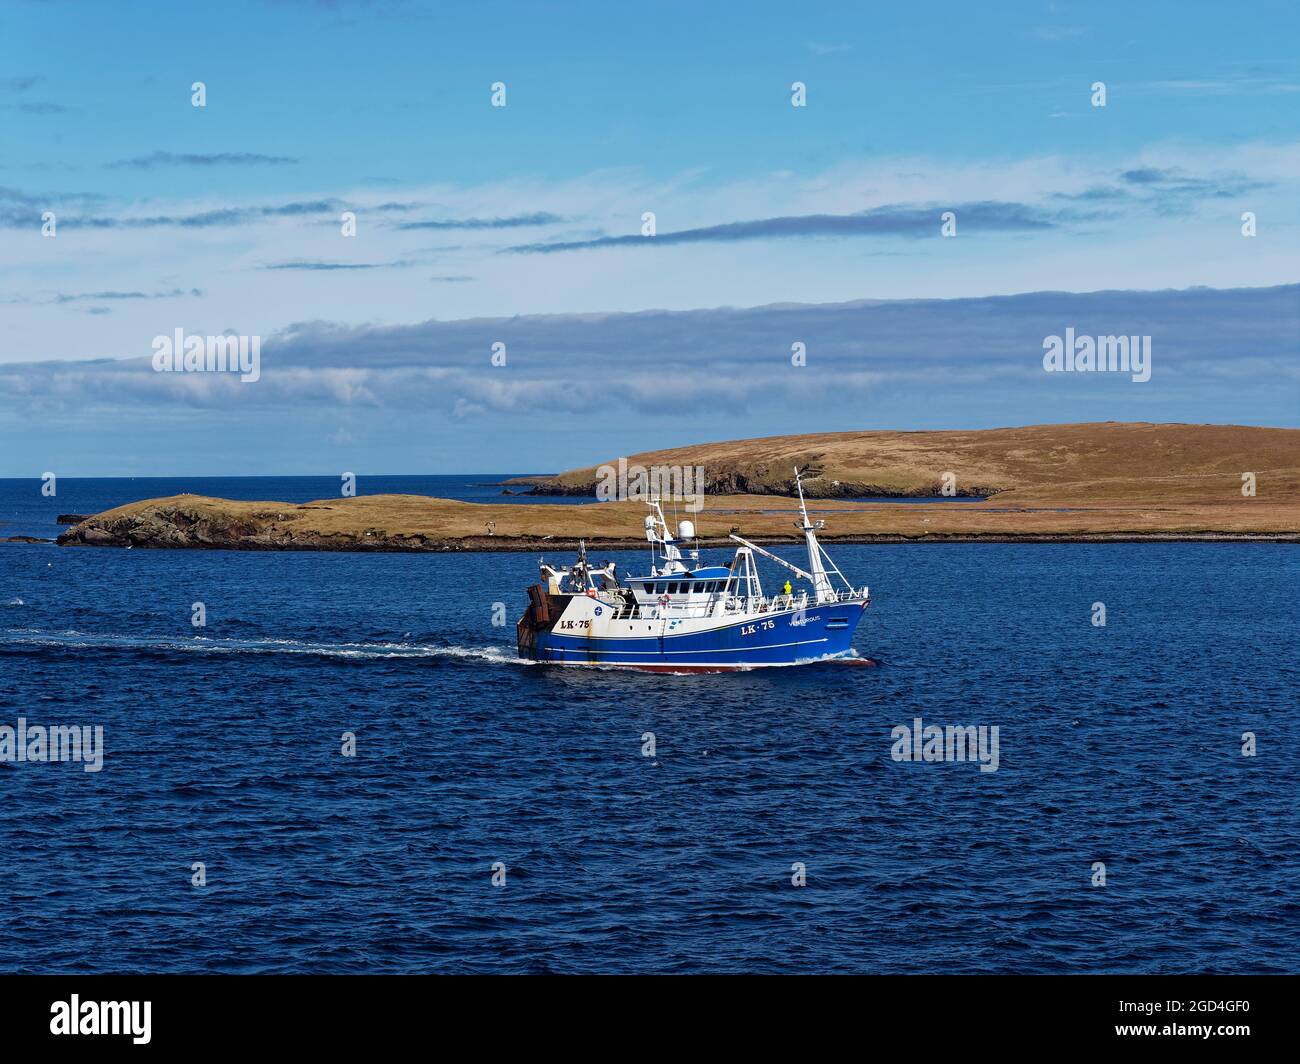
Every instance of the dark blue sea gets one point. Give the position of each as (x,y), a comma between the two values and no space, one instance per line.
(1119,744)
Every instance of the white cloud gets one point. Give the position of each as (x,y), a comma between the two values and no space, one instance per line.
(1139,250)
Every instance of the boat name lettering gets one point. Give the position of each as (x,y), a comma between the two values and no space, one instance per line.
(798,621)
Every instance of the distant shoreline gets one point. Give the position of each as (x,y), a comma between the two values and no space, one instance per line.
(1090,483)
(421,524)
(503,545)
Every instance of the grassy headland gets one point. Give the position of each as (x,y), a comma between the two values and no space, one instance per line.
(1065,482)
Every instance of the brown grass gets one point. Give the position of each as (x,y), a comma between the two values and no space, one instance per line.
(1108,460)
(1064,481)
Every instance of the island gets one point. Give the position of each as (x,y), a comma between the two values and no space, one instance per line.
(1092,482)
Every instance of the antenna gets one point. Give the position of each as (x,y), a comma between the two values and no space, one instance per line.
(798,483)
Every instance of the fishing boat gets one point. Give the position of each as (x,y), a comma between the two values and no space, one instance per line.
(686,616)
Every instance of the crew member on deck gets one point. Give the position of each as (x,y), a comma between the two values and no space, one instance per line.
(787,586)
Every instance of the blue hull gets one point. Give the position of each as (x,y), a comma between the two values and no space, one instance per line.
(768,639)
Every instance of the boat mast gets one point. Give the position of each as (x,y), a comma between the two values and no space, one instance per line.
(822,589)
(658,533)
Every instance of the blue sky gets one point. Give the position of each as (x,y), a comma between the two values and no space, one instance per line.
(226,219)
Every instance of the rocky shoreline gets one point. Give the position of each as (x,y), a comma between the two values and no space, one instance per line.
(1091,483)
(423,545)
(740,484)
(413,524)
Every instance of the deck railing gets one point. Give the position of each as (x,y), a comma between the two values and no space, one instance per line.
(744,605)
